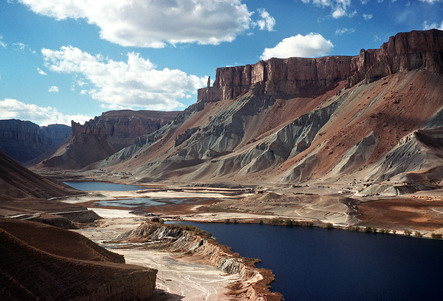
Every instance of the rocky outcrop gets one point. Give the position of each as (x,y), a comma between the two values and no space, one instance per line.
(264,123)
(88,144)
(25,141)
(102,136)
(291,77)
(123,126)
(254,283)
(310,77)
(33,267)
(403,52)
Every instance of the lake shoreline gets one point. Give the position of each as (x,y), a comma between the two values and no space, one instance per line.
(211,211)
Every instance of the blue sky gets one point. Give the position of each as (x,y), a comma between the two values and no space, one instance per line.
(62,60)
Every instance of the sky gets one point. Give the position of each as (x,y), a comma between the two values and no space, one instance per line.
(63,60)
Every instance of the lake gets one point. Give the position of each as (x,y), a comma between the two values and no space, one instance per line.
(91,186)
(319,264)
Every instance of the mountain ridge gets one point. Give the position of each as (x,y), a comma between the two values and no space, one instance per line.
(244,130)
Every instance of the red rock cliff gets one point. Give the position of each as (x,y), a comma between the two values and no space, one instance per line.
(306,77)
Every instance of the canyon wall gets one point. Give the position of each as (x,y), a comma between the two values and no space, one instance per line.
(25,141)
(102,136)
(403,52)
(310,77)
(123,126)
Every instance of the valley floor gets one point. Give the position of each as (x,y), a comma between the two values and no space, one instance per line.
(419,214)
(178,278)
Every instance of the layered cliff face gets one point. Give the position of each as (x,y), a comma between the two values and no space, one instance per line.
(104,135)
(306,77)
(265,135)
(253,283)
(25,141)
(122,127)
(403,52)
(87,144)
(286,78)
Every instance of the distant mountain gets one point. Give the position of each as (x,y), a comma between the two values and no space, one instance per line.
(25,141)
(104,135)
(369,118)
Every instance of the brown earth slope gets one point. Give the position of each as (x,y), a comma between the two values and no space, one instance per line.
(263,124)
(34,265)
(24,194)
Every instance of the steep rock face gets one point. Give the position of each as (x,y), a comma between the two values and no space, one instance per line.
(281,77)
(262,136)
(403,52)
(301,77)
(104,135)
(87,144)
(24,140)
(122,127)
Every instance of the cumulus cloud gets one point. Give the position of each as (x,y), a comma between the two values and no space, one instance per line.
(119,84)
(427,25)
(367,16)
(267,22)
(339,8)
(14,109)
(431,1)
(53,89)
(311,45)
(155,23)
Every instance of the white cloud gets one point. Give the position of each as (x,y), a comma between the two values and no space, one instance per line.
(431,1)
(53,89)
(2,44)
(427,26)
(41,72)
(22,47)
(135,83)
(364,2)
(311,45)
(367,16)
(14,109)
(339,7)
(145,23)
(343,31)
(267,22)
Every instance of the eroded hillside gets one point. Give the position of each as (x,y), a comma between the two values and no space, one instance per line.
(367,119)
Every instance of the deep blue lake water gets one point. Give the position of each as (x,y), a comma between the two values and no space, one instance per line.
(318,264)
(90,186)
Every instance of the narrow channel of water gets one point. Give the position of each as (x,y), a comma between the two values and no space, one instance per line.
(318,264)
(104,186)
